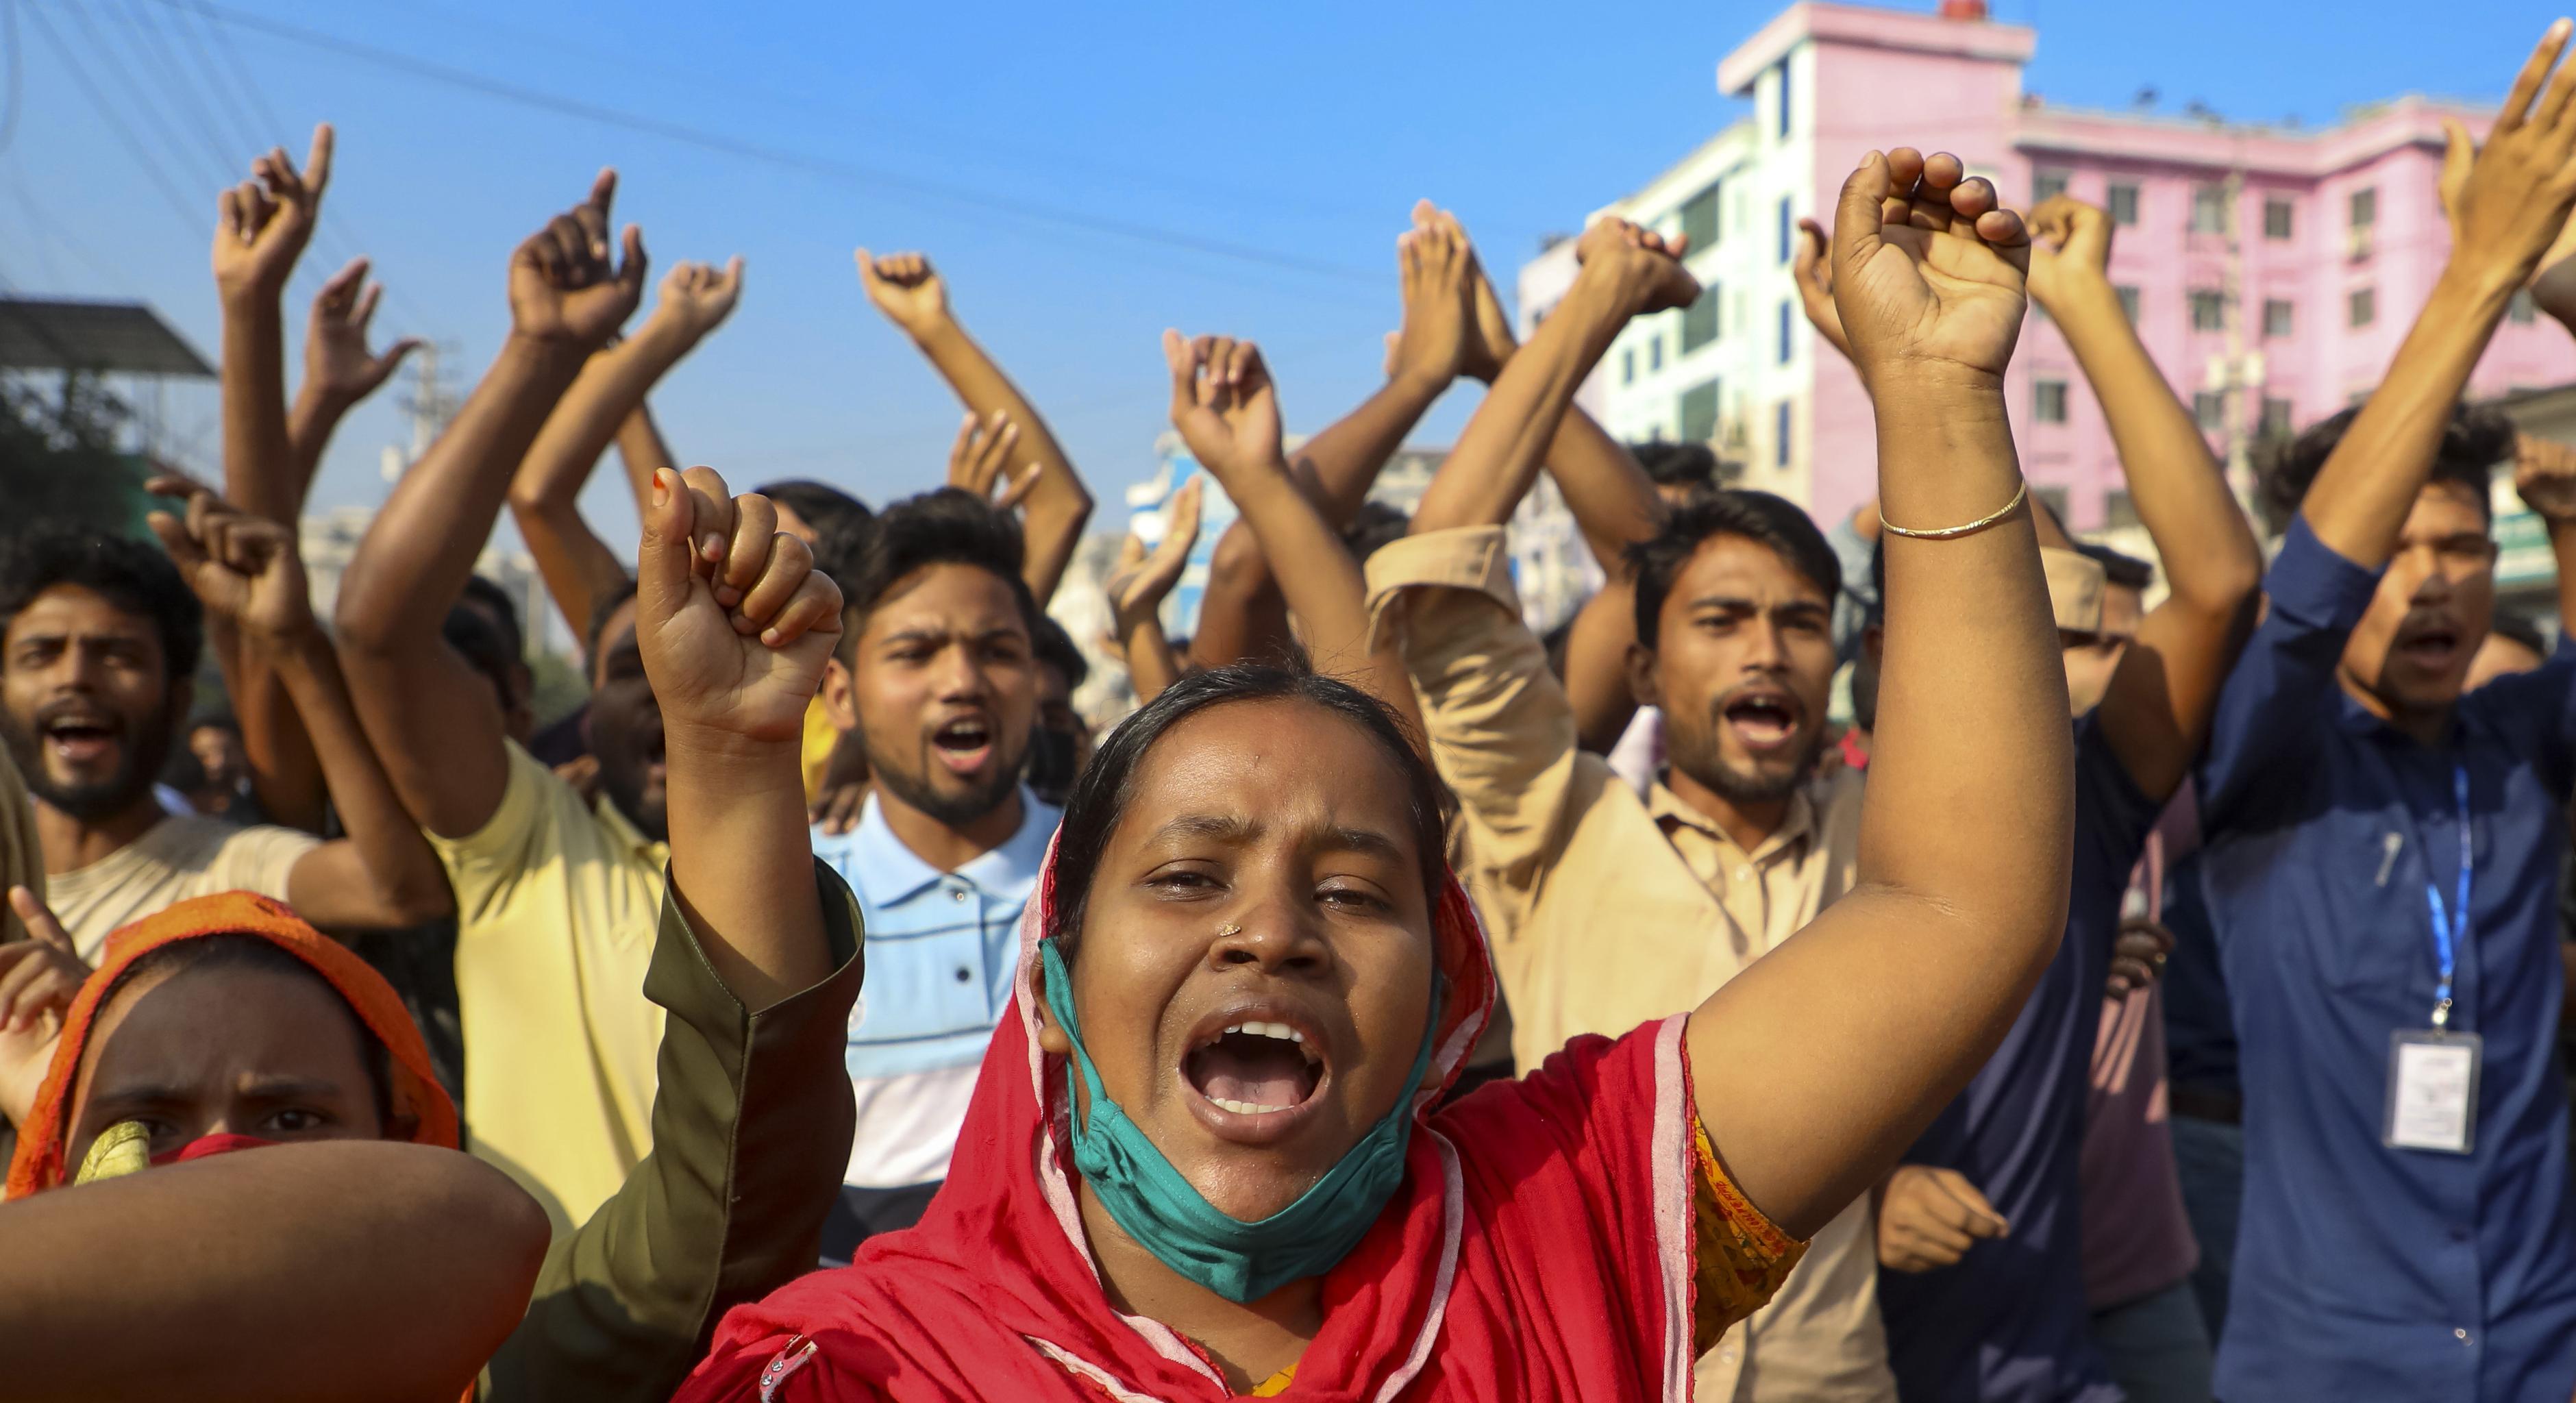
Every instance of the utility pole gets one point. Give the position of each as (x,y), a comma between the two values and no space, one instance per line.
(2238,372)
(429,406)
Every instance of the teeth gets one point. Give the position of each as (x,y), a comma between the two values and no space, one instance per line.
(1270,1030)
(1245,1108)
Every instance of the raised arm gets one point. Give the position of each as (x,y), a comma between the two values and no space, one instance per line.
(1138,585)
(1228,412)
(908,290)
(2507,204)
(1870,1019)
(247,572)
(2157,709)
(262,227)
(640,447)
(339,370)
(401,1266)
(579,569)
(435,722)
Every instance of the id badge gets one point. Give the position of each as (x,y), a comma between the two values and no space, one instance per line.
(2432,1090)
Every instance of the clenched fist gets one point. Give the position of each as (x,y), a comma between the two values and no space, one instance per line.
(245,569)
(1928,269)
(565,286)
(734,622)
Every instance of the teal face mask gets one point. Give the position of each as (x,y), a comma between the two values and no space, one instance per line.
(1158,1207)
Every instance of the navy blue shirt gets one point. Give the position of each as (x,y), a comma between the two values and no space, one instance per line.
(2363,1271)
(2008,1322)
(2200,1027)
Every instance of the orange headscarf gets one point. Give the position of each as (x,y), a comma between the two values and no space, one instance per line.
(44,1140)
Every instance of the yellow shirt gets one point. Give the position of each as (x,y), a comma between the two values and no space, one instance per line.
(556,905)
(815,751)
(1607,910)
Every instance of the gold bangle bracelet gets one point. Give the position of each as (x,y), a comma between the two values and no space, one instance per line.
(1952,533)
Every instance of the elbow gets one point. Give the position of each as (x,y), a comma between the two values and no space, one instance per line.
(362,621)
(418,894)
(1237,556)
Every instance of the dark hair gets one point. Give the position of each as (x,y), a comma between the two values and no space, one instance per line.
(134,577)
(2473,442)
(217,719)
(504,610)
(1053,647)
(249,952)
(948,527)
(1100,797)
(600,613)
(2124,571)
(1758,517)
(2515,626)
(1378,525)
(837,518)
(477,639)
(1678,464)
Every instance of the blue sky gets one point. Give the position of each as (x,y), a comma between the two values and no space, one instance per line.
(1301,131)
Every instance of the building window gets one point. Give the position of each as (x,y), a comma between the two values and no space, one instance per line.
(2362,307)
(2279,318)
(2208,310)
(1788,314)
(2048,401)
(1784,100)
(2123,203)
(2128,303)
(1655,353)
(2118,510)
(1699,321)
(2276,218)
(2209,209)
(2521,310)
(2365,207)
(1628,366)
(1788,228)
(1780,435)
(2209,410)
(1699,218)
(2276,418)
(2046,184)
(1699,413)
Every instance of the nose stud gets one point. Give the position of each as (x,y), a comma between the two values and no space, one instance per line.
(1228,931)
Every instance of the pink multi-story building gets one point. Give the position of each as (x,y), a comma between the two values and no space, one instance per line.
(2271,271)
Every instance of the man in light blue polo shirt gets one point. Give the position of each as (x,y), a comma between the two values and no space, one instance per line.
(937,678)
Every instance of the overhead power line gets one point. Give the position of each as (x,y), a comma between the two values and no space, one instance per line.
(844,172)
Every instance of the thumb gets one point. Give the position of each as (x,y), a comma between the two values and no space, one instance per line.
(396,353)
(867,269)
(630,273)
(665,560)
(1184,364)
(1856,212)
(2458,154)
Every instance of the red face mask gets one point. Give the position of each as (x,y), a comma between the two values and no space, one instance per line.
(208,1146)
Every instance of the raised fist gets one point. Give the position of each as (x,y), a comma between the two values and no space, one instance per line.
(1224,405)
(263,223)
(2544,473)
(1928,271)
(907,289)
(2508,201)
(734,622)
(1642,268)
(337,363)
(2069,240)
(564,287)
(245,569)
(696,298)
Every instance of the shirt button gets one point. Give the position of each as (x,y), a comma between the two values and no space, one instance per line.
(957,894)
(2461,1335)
(964,975)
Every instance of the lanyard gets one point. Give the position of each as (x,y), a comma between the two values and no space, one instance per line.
(2450,928)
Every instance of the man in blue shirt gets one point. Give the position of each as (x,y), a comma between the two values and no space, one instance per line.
(938,680)
(2406,1228)
(1980,1236)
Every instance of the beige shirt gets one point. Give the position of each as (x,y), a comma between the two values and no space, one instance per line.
(557,901)
(182,856)
(1607,910)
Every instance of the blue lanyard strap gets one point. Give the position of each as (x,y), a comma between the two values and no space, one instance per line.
(2451,926)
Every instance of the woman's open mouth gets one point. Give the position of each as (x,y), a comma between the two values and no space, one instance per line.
(1254,1076)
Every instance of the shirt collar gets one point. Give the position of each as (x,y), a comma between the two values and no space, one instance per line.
(1667,809)
(890,873)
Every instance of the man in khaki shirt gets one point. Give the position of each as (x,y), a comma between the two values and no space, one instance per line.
(1608,909)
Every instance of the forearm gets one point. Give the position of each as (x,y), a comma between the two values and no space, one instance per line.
(1151,663)
(1498,456)
(1058,505)
(259,474)
(285,774)
(405,1268)
(2360,499)
(2562,551)
(309,426)
(1323,587)
(1241,612)
(405,876)
(1340,464)
(742,863)
(417,553)
(1614,503)
(579,569)
(641,449)
(607,394)
(2211,561)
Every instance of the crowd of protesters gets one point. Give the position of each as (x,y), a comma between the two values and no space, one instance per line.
(2147,1002)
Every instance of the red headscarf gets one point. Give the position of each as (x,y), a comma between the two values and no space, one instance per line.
(44,1139)
(1539,1246)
